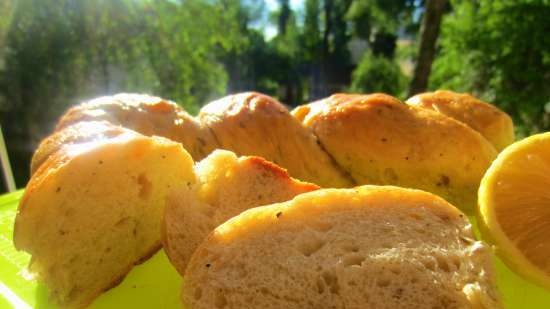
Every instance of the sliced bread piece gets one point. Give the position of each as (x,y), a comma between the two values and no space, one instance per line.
(254,124)
(368,247)
(226,186)
(93,210)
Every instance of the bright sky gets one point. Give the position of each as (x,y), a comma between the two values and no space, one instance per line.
(274,4)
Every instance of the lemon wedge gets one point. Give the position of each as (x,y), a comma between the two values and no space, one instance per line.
(514,207)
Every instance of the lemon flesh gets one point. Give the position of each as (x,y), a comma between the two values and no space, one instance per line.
(514,207)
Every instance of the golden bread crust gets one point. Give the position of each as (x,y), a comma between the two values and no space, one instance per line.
(367,247)
(227,185)
(380,140)
(335,142)
(92,211)
(147,115)
(80,132)
(494,124)
(255,124)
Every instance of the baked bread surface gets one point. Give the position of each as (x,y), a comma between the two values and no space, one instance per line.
(255,124)
(147,115)
(77,133)
(225,186)
(494,124)
(379,140)
(368,247)
(97,182)
(93,210)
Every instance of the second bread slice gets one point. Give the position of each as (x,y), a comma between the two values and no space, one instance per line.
(225,186)
(369,247)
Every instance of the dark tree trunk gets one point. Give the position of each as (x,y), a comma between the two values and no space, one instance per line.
(328,28)
(429,33)
(325,51)
(284,16)
(384,44)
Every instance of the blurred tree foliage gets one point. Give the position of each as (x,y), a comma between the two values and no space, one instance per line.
(379,23)
(55,53)
(58,52)
(378,74)
(499,50)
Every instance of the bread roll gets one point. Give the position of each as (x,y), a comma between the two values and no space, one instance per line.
(368,247)
(494,124)
(255,124)
(147,115)
(93,210)
(380,140)
(226,186)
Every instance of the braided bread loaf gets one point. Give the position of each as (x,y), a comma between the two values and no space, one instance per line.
(341,141)
(379,140)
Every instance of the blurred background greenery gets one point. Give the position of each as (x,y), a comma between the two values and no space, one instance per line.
(56,53)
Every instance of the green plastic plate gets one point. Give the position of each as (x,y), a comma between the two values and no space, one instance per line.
(153,284)
(156,284)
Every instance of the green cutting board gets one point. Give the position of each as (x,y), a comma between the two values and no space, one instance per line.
(156,284)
